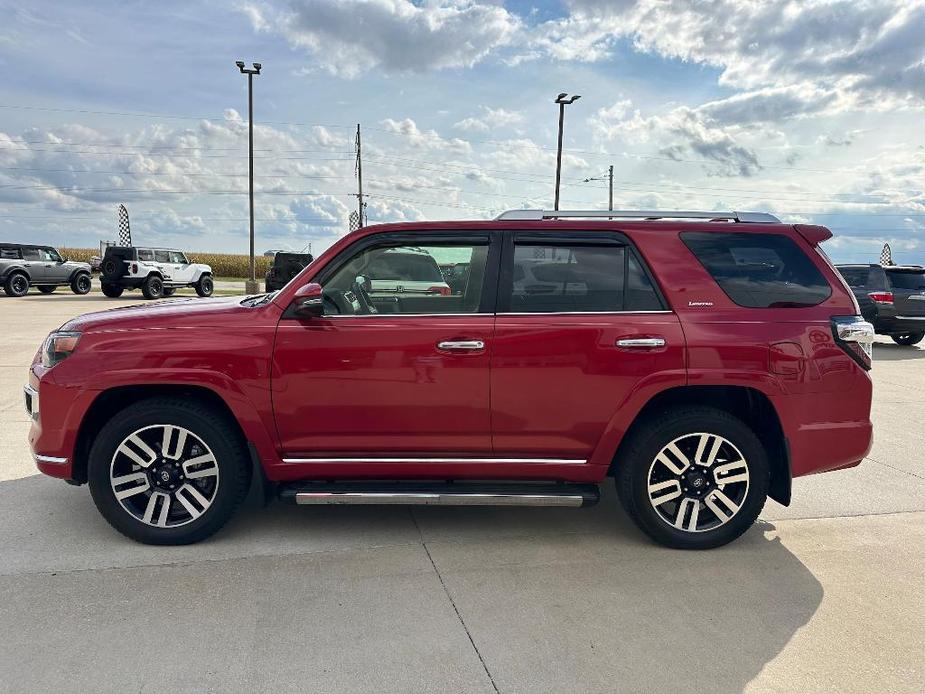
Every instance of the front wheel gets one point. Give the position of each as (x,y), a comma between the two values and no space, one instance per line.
(693,477)
(205,286)
(908,339)
(153,287)
(81,284)
(168,472)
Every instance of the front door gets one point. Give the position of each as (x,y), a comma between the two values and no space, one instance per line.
(390,375)
(580,325)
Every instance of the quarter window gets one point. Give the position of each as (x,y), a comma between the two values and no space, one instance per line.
(759,270)
(405,279)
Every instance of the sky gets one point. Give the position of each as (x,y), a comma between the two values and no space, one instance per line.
(812,110)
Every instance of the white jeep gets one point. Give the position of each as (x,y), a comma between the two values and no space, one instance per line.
(158,272)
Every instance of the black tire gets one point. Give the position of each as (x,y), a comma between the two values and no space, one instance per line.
(205,286)
(113,291)
(113,268)
(212,428)
(908,339)
(81,283)
(17,284)
(153,287)
(169,291)
(46,289)
(637,459)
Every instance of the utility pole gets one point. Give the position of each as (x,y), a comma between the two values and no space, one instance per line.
(562,100)
(251,286)
(359,171)
(610,178)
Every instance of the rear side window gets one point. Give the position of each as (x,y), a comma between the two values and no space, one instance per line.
(10,254)
(855,276)
(580,278)
(759,270)
(914,281)
(31,254)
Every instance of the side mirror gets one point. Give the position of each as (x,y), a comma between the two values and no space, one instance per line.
(308,301)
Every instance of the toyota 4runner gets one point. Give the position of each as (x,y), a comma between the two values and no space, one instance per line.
(702,360)
(158,272)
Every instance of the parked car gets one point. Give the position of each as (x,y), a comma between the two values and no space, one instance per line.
(891,297)
(702,362)
(96,262)
(24,265)
(158,272)
(404,271)
(285,266)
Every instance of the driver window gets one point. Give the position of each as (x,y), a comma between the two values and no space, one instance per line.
(406,279)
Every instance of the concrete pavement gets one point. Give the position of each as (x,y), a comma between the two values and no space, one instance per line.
(822,596)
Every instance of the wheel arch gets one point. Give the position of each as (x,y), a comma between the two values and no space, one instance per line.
(79,271)
(748,404)
(12,270)
(111,401)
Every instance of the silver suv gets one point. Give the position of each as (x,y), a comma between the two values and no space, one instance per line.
(23,265)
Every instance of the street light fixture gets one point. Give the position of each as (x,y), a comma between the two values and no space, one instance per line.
(562,100)
(251,286)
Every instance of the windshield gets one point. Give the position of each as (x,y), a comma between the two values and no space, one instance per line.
(907,280)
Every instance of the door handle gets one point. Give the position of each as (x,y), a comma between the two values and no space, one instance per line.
(641,342)
(461,345)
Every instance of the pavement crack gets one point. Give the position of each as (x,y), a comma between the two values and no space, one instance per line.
(453,603)
(880,462)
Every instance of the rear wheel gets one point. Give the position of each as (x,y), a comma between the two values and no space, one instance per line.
(46,290)
(81,283)
(153,287)
(205,286)
(16,284)
(113,291)
(908,339)
(693,477)
(168,472)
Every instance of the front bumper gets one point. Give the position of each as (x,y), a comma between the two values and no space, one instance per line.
(56,413)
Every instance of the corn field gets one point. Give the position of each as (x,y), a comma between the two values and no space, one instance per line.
(223,264)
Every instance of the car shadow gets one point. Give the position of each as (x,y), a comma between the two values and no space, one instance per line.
(554,599)
(890,351)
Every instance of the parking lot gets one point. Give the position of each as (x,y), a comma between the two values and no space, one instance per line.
(825,595)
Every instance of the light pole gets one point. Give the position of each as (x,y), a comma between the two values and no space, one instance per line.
(251,286)
(562,100)
(599,178)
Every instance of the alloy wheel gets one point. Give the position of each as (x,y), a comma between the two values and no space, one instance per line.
(164,475)
(19,285)
(698,482)
(83,283)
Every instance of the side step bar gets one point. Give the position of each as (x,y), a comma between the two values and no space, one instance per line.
(441,494)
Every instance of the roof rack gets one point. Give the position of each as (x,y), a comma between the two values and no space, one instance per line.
(537,215)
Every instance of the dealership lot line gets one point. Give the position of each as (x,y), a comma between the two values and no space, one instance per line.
(822,596)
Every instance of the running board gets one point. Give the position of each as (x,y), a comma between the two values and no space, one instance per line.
(440,494)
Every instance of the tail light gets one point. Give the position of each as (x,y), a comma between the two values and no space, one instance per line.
(441,290)
(134,268)
(881,297)
(856,336)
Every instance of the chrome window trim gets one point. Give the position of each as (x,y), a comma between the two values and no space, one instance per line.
(479,461)
(579,313)
(499,314)
(910,317)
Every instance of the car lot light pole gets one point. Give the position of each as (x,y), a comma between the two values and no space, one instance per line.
(251,286)
(562,100)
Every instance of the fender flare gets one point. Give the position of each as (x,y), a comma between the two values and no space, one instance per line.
(5,275)
(79,271)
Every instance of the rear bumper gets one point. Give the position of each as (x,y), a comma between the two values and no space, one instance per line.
(894,325)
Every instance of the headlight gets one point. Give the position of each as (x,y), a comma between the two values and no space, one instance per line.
(58,347)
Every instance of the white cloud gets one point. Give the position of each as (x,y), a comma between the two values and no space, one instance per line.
(428,139)
(491,119)
(350,37)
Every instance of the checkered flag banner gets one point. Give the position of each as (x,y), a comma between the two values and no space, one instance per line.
(125,231)
(886,255)
(354,220)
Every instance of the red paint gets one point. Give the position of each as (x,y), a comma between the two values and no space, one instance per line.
(545,386)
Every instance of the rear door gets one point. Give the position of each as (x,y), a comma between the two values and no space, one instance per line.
(908,285)
(580,325)
(35,263)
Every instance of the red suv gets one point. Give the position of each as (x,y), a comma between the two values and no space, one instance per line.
(703,360)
